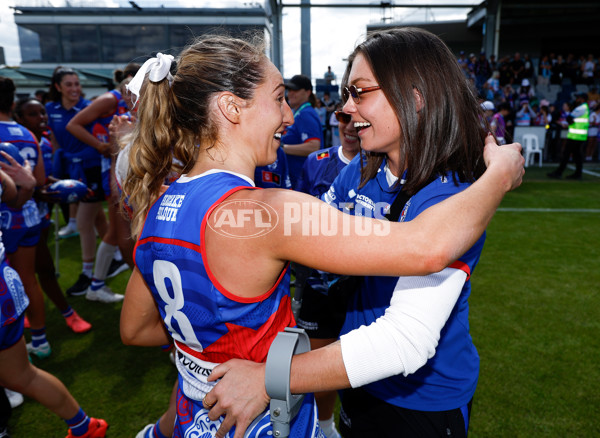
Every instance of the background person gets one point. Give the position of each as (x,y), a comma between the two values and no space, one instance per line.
(16,371)
(84,164)
(578,121)
(322,313)
(90,126)
(32,114)
(21,226)
(306,134)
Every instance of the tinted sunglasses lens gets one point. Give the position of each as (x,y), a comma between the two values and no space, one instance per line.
(342,117)
(345,94)
(354,93)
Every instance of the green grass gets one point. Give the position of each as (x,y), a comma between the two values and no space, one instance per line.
(535,320)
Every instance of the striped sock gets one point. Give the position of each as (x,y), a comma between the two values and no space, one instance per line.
(79,424)
(97,284)
(155,431)
(118,256)
(38,337)
(67,312)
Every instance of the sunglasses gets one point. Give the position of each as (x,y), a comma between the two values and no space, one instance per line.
(342,117)
(355,92)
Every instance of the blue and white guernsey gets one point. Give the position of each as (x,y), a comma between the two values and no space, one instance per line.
(208,324)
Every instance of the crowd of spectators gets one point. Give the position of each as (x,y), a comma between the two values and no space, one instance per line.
(536,92)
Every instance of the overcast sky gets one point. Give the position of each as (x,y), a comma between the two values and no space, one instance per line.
(334,31)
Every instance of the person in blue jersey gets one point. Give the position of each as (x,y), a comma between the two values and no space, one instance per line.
(83,163)
(31,114)
(22,226)
(405,347)
(306,134)
(90,126)
(274,175)
(17,373)
(212,255)
(323,166)
(322,314)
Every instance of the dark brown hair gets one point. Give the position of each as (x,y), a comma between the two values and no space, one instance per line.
(7,94)
(57,77)
(446,134)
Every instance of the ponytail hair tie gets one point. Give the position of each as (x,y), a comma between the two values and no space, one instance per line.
(157,68)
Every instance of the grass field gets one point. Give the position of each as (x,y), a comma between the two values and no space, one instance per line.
(535,318)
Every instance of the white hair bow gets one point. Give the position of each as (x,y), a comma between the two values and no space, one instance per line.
(157,68)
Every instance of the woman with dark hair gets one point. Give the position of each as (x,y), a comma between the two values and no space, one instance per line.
(90,126)
(83,163)
(405,348)
(220,285)
(30,113)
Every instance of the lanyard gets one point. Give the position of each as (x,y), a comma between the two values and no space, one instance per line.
(304,105)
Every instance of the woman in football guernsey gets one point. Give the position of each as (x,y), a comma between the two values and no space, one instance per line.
(90,126)
(31,114)
(212,261)
(83,162)
(17,373)
(22,226)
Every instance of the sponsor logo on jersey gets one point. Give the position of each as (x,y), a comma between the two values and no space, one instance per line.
(322,155)
(169,206)
(192,366)
(365,201)
(271,177)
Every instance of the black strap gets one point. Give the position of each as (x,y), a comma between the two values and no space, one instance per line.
(401,199)
(396,208)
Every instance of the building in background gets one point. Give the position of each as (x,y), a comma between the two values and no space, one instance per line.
(96,41)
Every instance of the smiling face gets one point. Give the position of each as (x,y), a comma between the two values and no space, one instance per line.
(349,138)
(34,117)
(373,117)
(69,89)
(266,117)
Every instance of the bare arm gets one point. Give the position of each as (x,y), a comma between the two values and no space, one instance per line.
(324,368)
(141,323)
(302,149)
(39,172)
(102,106)
(425,245)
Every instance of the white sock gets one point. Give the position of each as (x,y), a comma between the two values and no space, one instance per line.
(87,268)
(328,427)
(118,257)
(104,256)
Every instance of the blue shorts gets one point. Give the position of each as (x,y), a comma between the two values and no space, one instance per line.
(12,333)
(16,237)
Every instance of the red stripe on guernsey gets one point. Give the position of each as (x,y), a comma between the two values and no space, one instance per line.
(212,278)
(246,343)
(463,267)
(312,138)
(166,241)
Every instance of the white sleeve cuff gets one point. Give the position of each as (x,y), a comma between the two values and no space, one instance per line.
(406,336)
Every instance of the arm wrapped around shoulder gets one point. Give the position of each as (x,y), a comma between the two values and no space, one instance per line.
(406,336)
